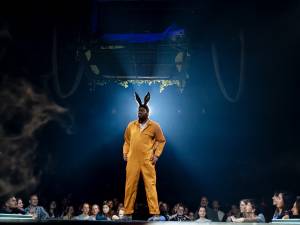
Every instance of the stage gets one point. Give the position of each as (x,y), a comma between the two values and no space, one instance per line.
(135,222)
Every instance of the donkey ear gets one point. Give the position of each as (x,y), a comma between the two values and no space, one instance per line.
(138,99)
(147,98)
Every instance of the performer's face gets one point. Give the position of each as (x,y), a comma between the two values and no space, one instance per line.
(142,113)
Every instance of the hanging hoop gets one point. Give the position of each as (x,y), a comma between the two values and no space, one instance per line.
(80,71)
(218,75)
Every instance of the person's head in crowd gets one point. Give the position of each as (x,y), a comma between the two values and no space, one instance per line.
(110,204)
(116,203)
(120,205)
(191,215)
(186,211)
(284,202)
(251,208)
(204,201)
(106,210)
(215,205)
(180,210)
(11,203)
(164,208)
(202,212)
(243,204)
(85,209)
(296,208)
(95,210)
(20,204)
(121,213)
(52,209)
(275,198)
(52,205)
(235,211)
(70,211)
(175,207)
(34,200)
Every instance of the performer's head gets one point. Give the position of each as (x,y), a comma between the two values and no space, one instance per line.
(143,113)
(143,110)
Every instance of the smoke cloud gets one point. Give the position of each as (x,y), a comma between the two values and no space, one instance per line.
(23,112)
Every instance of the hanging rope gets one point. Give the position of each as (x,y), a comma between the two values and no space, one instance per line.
(242,76)
(80,70)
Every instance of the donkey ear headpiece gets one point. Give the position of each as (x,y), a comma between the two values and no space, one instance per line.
(146,100)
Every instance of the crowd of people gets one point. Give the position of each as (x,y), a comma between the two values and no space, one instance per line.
(285,207)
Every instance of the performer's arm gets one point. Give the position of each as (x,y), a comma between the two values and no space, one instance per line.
(126,143)
(160,142)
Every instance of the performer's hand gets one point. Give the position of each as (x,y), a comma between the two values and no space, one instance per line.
(154,159)
(125,157)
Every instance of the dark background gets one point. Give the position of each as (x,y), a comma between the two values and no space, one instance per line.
(224,150)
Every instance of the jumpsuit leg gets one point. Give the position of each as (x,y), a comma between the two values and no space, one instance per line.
(132,178)
(149,177)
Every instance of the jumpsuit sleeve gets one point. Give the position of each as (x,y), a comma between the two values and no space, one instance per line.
(160,141)
(126,141)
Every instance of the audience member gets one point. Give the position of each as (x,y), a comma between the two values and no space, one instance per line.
(202,215)
(85,213)
(37,212)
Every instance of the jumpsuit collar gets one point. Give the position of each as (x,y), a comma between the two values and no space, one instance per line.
(147,125)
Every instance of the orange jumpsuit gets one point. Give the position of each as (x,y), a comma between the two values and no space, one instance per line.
(139,147)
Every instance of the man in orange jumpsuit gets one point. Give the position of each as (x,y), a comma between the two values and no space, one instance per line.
(144,143)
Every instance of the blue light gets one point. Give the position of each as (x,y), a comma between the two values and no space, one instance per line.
(171,31)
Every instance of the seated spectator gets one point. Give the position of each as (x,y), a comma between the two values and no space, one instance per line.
(164,215)
(175,207)
(250,214)
(116,204)
(296,209)
(94,212)
(37,212)
(65,203)
(111,206)
(191,216)
(216,208)
(283,203)
(179,216)
(85,213)
(106,210)
(69,214)
(120,215)
(52,211)
(211,214)
(234,212)
(202,215)
(20,205)
(164,210)
(11,206)
(120,205)
(186,211)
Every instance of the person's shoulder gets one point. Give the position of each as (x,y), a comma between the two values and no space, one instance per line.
(154,123)
(40,208)
(3,210)
(132,123)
